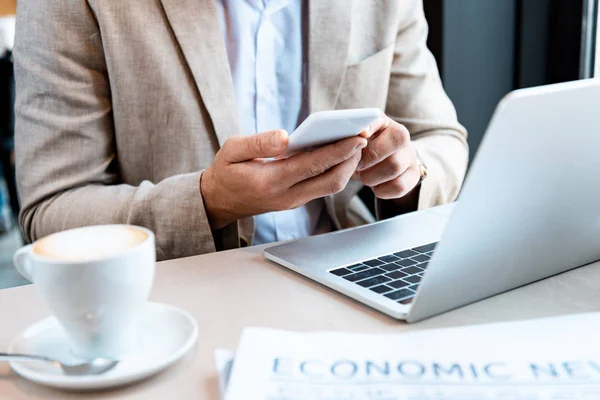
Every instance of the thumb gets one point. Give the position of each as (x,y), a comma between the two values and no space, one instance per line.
(262,145)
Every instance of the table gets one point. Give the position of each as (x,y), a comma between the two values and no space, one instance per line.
(8,7)
(228,291)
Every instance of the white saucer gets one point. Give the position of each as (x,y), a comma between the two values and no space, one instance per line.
(163,334)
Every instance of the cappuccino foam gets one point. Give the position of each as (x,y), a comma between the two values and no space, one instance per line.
(89,243)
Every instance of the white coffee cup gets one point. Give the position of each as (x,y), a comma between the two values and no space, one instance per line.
(94,280)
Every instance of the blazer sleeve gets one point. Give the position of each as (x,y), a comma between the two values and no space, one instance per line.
(66,159)
(417,99)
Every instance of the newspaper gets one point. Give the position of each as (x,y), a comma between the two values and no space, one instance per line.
(223,361)
(556,358)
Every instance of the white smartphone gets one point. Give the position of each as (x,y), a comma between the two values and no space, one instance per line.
(324,127)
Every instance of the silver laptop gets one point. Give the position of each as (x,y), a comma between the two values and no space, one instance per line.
(529,209)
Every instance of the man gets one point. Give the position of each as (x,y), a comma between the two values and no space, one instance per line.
(131,112)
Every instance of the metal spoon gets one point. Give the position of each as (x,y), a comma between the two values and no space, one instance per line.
(96,366)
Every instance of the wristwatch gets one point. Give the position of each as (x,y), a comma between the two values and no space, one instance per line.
(423,173)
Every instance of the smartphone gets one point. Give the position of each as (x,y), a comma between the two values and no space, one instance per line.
(324,127)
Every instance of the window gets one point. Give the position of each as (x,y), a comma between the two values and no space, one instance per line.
(590,61)
(597,56)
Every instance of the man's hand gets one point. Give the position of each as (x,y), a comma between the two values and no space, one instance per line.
(242,182)
(389,164)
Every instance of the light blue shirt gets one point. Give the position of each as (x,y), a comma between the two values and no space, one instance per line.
(264,41)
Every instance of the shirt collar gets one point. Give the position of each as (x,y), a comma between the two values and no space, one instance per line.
(268,6)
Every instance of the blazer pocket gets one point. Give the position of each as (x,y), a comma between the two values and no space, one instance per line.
(366,82)
(378,54)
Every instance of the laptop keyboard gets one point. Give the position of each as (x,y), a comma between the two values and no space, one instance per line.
(396,276)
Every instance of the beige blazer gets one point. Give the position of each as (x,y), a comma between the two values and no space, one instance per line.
(122,104)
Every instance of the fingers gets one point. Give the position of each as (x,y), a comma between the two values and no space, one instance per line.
(331,182)
(314,163)
(400,186)
(389,169)
(379,125)
(262,145)
(388,142)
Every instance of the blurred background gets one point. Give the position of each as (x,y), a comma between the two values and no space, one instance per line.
(10,237)
(484,49)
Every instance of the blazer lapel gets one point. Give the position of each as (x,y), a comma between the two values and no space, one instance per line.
(329,38)
(196,27)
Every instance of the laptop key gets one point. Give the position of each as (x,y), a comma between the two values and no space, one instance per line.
(406,301)
(406,253)
(341,271)
(399,284)
(389,259)
(412,270)
(374,263)
(359,267)
(422,265)
(396,275)
(407,262)
(381,289)
(414,287)
(391,267)
(421,258)
(400,294)
(426,248)
(413,279)
(364,274)
(377,280)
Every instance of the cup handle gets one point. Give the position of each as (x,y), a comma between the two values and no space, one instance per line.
(22,262)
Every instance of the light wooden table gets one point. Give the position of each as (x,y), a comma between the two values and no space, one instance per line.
(8,7)
(228,291)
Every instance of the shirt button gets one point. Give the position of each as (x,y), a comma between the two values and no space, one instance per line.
(265,95)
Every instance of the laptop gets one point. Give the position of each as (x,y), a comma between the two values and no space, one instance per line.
(529,209)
